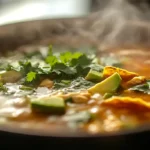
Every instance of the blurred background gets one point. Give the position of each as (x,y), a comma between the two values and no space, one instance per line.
(22,10)
(109,21)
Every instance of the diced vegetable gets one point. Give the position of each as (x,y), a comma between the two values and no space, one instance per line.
(54,105)
(109,85)
(94,76)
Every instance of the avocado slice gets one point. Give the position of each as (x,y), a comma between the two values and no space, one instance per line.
(94,76)
(54,105)
(109,85)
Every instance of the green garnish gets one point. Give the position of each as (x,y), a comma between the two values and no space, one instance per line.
(145,88)
(76,85)
(63,68)
(53,105)
(23,87)
(94,76)
(31,76)
(66,81)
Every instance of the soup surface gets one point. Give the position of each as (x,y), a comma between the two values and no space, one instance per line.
(91,91)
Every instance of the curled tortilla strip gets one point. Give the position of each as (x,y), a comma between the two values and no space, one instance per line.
(125,75)
(127,102)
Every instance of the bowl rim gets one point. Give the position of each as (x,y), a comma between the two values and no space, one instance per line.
(73,134)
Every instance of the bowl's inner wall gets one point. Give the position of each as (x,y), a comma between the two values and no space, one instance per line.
(75,32)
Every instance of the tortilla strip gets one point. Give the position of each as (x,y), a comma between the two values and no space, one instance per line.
(127,102)
(125,75)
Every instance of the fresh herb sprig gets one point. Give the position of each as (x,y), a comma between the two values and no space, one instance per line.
(62,66)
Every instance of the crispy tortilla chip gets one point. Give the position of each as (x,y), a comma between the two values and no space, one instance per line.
(127,102)
(125,75)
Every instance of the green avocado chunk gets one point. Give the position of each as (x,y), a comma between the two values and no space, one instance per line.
(109,85)
(94,76)
(53,105)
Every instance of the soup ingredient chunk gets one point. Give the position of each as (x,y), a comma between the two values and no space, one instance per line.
(109,85)
(54,105)
(94,76)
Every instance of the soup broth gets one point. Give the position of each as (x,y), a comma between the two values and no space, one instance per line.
(49,90)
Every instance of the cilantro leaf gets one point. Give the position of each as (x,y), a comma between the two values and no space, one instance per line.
(63,68)
(31,76)
(145,88)
(65,57)
(68,64)
(76,85)
(51,60)
(81,83)
(83,61)
(96,67)
(76,55)
(45,70)
(56,66)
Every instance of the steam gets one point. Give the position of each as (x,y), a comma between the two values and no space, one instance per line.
(112,23)
(118,23)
